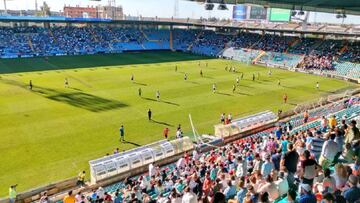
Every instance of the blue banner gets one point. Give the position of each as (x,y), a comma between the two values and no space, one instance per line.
(239,12)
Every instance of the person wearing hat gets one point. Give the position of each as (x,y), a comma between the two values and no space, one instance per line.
(306,195)
(353,193)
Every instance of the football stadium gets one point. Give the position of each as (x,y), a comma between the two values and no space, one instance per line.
(180,101)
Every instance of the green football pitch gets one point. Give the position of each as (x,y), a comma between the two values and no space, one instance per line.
(51,132)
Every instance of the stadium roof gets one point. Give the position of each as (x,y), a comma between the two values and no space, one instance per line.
(330,6)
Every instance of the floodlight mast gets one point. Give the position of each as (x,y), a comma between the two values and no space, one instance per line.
(5,8)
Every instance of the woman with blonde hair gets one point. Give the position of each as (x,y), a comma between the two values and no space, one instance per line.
(340,176)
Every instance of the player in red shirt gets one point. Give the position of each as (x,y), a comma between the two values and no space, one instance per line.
(285,98)
(166,132)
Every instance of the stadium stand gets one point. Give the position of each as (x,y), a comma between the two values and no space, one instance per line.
(280,59)
(335,56)
(275,165)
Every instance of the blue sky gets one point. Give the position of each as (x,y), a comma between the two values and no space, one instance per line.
(160,8)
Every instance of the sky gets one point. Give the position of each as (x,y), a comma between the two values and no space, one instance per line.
(162,8)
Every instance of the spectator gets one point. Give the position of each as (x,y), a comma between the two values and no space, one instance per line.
(267,166)
(69,198)
(332,122)
(282,184)
(230,191)
(219,198)
(349,153)
(289,162)
(328,198)
(189,196)
(324,124)
(306,195)
(291,196)
(353,193)
(328,152)
(242,192)
(271,188)
(264,198)
(353,133)
(316,145)
(329,183)
(309,169)
(276,158)
(44,198)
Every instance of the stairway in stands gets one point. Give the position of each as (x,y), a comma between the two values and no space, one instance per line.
(257,42)
(293,44)
(197,39)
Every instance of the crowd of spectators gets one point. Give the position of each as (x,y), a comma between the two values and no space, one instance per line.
(316,165)
(319,62)
(273,43)
(210,43)
(352,52)
(37,41)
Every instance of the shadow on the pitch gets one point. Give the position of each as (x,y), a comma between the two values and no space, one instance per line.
(150,99)
(245,86)
(193,82)
(79,99)
(326,91)
(208,77)
(172,103)
(87,101)
(226,94)
(163,101)
(77,89)
(162,123)
(138,83)
(293,104)
(132,143)
(287,87)
(245,94)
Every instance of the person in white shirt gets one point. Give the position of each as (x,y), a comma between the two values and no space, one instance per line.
(143,183)
(175,198)
(282,184)
(329,151)
(180,163)
(195,155)
(271,188)
(241,167)
(229,117)
(152,170)
(100,192)
(178,134)
(189,197)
